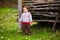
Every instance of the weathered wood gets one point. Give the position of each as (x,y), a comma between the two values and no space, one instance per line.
(55,22)
(44,20)
(46,3)
(44,12)
(29,1)
(44,9)
(45,15)
(51,5)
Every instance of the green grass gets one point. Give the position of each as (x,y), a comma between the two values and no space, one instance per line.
(9,26)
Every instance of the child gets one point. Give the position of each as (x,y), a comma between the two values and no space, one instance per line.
(26,19)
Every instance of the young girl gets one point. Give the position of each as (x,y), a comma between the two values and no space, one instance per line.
(26,19)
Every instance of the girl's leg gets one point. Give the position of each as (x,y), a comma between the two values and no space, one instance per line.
(28,29)
(24,28)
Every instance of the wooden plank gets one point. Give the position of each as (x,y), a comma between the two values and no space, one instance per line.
(40,6)
(46,8)
(46,15)
(45,21)
(36,1)
(29,1)
(46,3)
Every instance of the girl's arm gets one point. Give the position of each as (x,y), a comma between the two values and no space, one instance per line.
(30,18)
(20,19)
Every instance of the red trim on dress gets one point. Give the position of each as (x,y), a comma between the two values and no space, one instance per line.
(25,22)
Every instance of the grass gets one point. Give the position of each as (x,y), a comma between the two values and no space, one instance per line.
(9,26)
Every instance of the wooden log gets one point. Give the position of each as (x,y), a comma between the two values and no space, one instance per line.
(43,20)
(46,8)
(29,1)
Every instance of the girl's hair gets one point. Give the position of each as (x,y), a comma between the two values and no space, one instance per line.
(27,7)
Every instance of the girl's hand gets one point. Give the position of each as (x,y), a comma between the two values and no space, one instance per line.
(19,22)
(30,22)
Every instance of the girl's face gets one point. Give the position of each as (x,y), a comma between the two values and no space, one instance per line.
(25,10)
